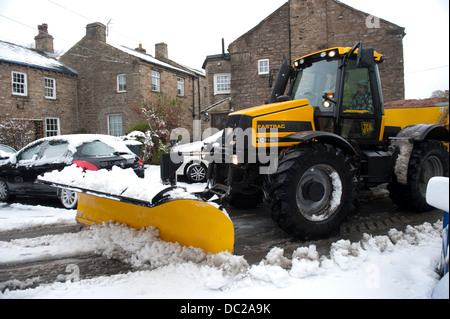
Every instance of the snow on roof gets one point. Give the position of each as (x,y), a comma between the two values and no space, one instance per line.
(150,59)
(17,54)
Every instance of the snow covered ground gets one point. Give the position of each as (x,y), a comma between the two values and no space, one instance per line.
(399,265)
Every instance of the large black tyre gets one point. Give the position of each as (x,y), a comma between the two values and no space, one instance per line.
(313,190)
(428,159)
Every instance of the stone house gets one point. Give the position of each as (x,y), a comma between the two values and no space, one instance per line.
(112,78)
(297,28)
(36,88)
(218,89)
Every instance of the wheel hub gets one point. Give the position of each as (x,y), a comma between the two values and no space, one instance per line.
(313,191)
(316,191)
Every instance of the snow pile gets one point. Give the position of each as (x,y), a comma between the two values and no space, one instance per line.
(117,181)
(17,216)
(400,265)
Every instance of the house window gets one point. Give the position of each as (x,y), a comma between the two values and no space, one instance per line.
(263,66)
(115,125)
(52,126)
(156,81)
(50,88)
(222,83)
(19,83)
(121,83)
(180,90)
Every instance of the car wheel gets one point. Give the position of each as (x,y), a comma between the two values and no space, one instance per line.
(196,173)
(69,199)
(4,191)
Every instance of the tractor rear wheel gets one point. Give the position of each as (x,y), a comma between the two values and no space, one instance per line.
(313,190)
(428,159)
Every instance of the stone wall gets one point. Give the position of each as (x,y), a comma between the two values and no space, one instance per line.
(98,64)
(35,106)
(268,40)
(301,27)
(336,24)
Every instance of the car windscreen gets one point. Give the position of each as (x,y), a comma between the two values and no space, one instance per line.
(30,153)
(55,151)
(96,148)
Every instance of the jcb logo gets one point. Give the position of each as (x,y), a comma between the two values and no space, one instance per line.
(366,128)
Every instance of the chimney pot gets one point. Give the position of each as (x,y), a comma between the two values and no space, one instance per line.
(140,49)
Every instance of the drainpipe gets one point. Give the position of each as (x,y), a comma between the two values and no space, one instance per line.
(193,98)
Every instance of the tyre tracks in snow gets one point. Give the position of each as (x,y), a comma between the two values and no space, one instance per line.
(33,273)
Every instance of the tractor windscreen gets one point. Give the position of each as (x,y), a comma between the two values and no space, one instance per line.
(315,79)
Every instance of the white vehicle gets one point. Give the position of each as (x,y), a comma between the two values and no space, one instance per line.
(194,167)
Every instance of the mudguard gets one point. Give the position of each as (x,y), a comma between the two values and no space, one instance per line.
(420,132)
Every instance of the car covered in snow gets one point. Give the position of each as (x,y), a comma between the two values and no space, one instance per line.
(193,166)
(18,174)
(6,152)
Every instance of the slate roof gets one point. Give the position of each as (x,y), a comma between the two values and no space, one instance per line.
(17,54)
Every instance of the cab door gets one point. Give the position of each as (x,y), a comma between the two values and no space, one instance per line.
(361,105)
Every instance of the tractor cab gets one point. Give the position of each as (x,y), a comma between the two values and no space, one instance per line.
(343,86)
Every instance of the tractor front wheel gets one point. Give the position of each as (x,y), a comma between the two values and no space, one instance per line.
(313,190)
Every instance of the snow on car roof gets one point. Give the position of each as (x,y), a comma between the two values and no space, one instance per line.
(75,140)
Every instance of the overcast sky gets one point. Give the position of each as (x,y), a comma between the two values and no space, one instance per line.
(194,29)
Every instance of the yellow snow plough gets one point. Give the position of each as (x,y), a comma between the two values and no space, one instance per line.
(304,155)
(191,223)
(187,221)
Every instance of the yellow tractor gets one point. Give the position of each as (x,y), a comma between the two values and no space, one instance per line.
(306,155)
(309,152)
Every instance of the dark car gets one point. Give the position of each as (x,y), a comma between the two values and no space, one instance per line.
(89,151)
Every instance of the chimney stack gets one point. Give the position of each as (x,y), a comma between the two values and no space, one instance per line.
(96,31)
(44,41)
(161,51)
(140,49)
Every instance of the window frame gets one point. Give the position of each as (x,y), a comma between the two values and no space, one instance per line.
(262,71)
(23,85)
(156,81)
(217,89)
(116,130)
(52,131)
(52,88)
(180,86)
(120,78)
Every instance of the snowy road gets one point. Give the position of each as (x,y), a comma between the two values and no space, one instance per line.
(44,254)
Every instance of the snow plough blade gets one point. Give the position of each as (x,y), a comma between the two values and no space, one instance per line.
(178,215)
(186,221)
